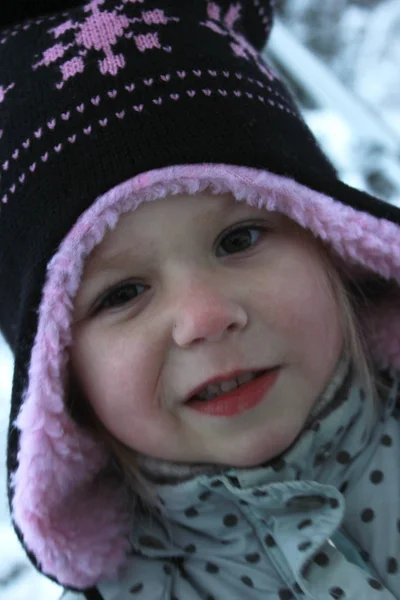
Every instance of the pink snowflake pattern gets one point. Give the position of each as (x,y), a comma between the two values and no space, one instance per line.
(100,32)
(147,41)
(3,91)
(225,25)
(57,31)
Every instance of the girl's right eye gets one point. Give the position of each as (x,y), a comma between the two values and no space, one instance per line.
(118,296)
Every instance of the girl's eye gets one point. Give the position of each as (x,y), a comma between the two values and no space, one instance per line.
(121,294)
(236,240)
(241,239)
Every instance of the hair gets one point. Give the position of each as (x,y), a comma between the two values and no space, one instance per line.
(354,296)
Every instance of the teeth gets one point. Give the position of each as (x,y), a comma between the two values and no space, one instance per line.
(215,389)
(245,377)
(227,386)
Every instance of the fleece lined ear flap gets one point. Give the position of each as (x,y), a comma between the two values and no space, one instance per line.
(14,11)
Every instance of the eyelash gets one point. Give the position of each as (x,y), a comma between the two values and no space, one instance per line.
(102,304)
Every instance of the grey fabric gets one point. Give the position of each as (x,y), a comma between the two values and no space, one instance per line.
(318,523)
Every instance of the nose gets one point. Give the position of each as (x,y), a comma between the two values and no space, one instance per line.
(204,313)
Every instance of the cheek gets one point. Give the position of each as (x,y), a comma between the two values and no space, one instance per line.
(118,378)
(298,306)
(315,327)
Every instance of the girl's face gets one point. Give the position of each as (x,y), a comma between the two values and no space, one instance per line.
(186,289)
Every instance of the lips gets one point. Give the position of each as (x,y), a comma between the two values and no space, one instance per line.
(218,379)
(240,399)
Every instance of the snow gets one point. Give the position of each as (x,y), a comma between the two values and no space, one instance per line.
(338,147)
(18,580)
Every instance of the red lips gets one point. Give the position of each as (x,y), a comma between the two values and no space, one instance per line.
(240,399)
(220,379)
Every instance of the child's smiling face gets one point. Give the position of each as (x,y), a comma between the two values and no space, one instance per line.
(193,302)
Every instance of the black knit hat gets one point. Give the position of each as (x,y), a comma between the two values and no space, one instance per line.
(93,96)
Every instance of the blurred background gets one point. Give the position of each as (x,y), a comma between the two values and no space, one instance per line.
(341,60)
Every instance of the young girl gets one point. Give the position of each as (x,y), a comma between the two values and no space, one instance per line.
(205,320)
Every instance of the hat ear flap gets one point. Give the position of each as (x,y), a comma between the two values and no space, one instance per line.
(250,18)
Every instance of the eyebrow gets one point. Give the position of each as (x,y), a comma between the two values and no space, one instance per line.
(108,261)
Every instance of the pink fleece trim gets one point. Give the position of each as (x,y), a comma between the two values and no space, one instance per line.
(78,532)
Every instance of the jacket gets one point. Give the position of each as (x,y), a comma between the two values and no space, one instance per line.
(318,522)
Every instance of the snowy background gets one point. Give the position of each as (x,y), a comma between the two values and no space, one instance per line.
(356,42)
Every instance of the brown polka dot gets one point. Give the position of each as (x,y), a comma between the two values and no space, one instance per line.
(298,589)
(136,588)
(392,566)
(260,493)
(343,457)
(285,594)
(364,555)
(243,502)
(343,487)
(191,512)
(247,581)
(230,520)
(253,558)
(234,481)
(269,540)
(321,559)
(304,523)
(333,502)
(305,569)
(367,515)
(353,420)
(204,495)
(376,477)
(386,440)
(212,567)
(336,592)
(216,483)
(304,546)
(374,584)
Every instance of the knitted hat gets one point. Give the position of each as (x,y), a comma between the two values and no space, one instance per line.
(105,105)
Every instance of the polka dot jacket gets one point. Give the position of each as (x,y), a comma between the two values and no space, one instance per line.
(273,532)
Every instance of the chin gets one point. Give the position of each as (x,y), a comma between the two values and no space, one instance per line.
(252,453)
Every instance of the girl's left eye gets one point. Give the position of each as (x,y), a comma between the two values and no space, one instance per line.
(241,238)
